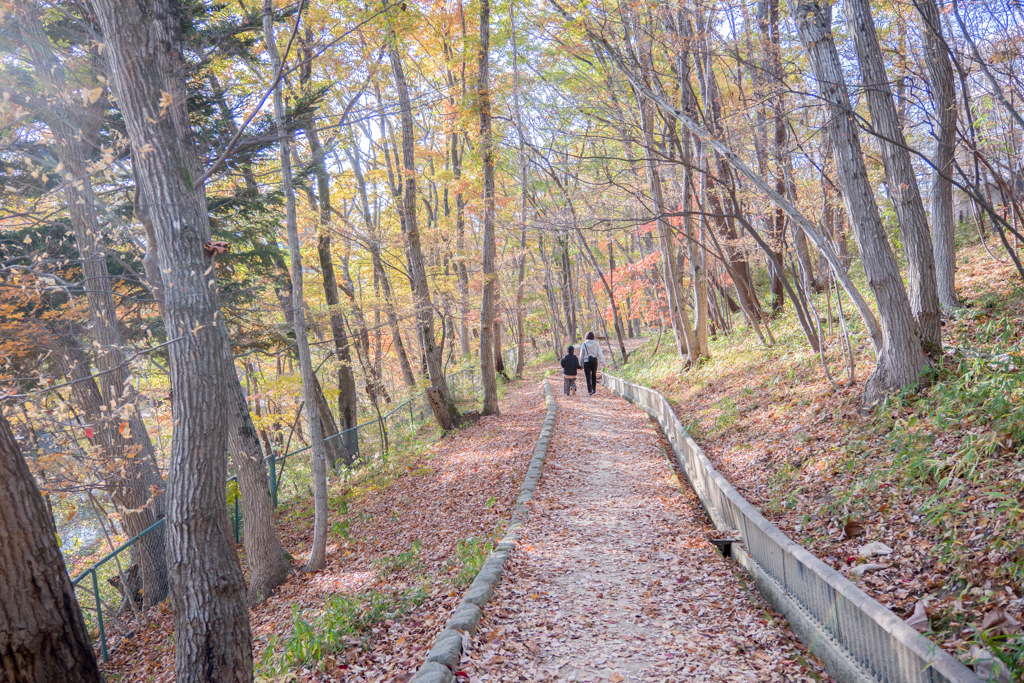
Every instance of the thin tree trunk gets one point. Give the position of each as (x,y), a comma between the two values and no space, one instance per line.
(42,634)
(489,333)
(460,247)
(318,551)
(568,293)
(264,555)
(940,73)
(348,403)
(520,313)
(616,313)
(549,288)
(694,245)
(900,178)
(375,387)
(211,622)
(721,205)
(767,81)
(439,398)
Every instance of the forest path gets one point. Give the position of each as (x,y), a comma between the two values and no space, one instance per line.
(614,578)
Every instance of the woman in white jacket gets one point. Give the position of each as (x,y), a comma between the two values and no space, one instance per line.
(590,355)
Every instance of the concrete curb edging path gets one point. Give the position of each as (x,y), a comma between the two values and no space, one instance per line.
(857,639)
(443,659)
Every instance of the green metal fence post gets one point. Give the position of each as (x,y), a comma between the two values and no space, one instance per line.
(99,616)
(273,476)
(236,515)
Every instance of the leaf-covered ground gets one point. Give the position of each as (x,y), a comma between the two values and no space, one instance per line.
(404,536)
(615,578)
(936,475)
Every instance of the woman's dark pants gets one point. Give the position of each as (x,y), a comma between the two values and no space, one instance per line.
(590,370)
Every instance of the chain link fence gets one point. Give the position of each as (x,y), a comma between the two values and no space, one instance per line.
(115,592)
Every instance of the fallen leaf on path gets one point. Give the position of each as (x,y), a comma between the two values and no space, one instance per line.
(987,666)
(862,569)
(919,619)
(852,529)
(1000,623)
(874,550)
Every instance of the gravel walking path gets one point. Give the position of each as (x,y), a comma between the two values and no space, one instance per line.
(615,578)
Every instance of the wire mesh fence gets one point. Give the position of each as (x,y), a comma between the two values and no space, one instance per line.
(115,592)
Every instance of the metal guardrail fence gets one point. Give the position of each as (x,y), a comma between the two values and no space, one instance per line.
(857,638)
(101,590)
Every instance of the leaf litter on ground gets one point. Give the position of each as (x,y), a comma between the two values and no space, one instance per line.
(396,533)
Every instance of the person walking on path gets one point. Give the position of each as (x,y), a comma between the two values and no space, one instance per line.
(591,354)
(570,366)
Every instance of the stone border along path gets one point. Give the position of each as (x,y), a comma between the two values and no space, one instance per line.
(614,578)
(444,657)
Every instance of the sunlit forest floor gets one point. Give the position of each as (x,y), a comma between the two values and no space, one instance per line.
(937,474)
(408,535)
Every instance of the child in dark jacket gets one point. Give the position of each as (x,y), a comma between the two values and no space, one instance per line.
(570,366)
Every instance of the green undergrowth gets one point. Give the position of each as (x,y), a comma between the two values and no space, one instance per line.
(408,560)
(343,622)
(347,621)
(470,555)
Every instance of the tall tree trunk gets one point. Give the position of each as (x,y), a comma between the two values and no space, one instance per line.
(900,178)
(456,87)
(523,203)
(132,473)
(318,552)
(488,301)
(439,398)
(568,286)
(767,81)
(375,387)
(42,634)
(557,328)
(940,73)
(460,246)
(784,178)
(348,400)
(900,358)
(264,555)
(694,245)
(211,622)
